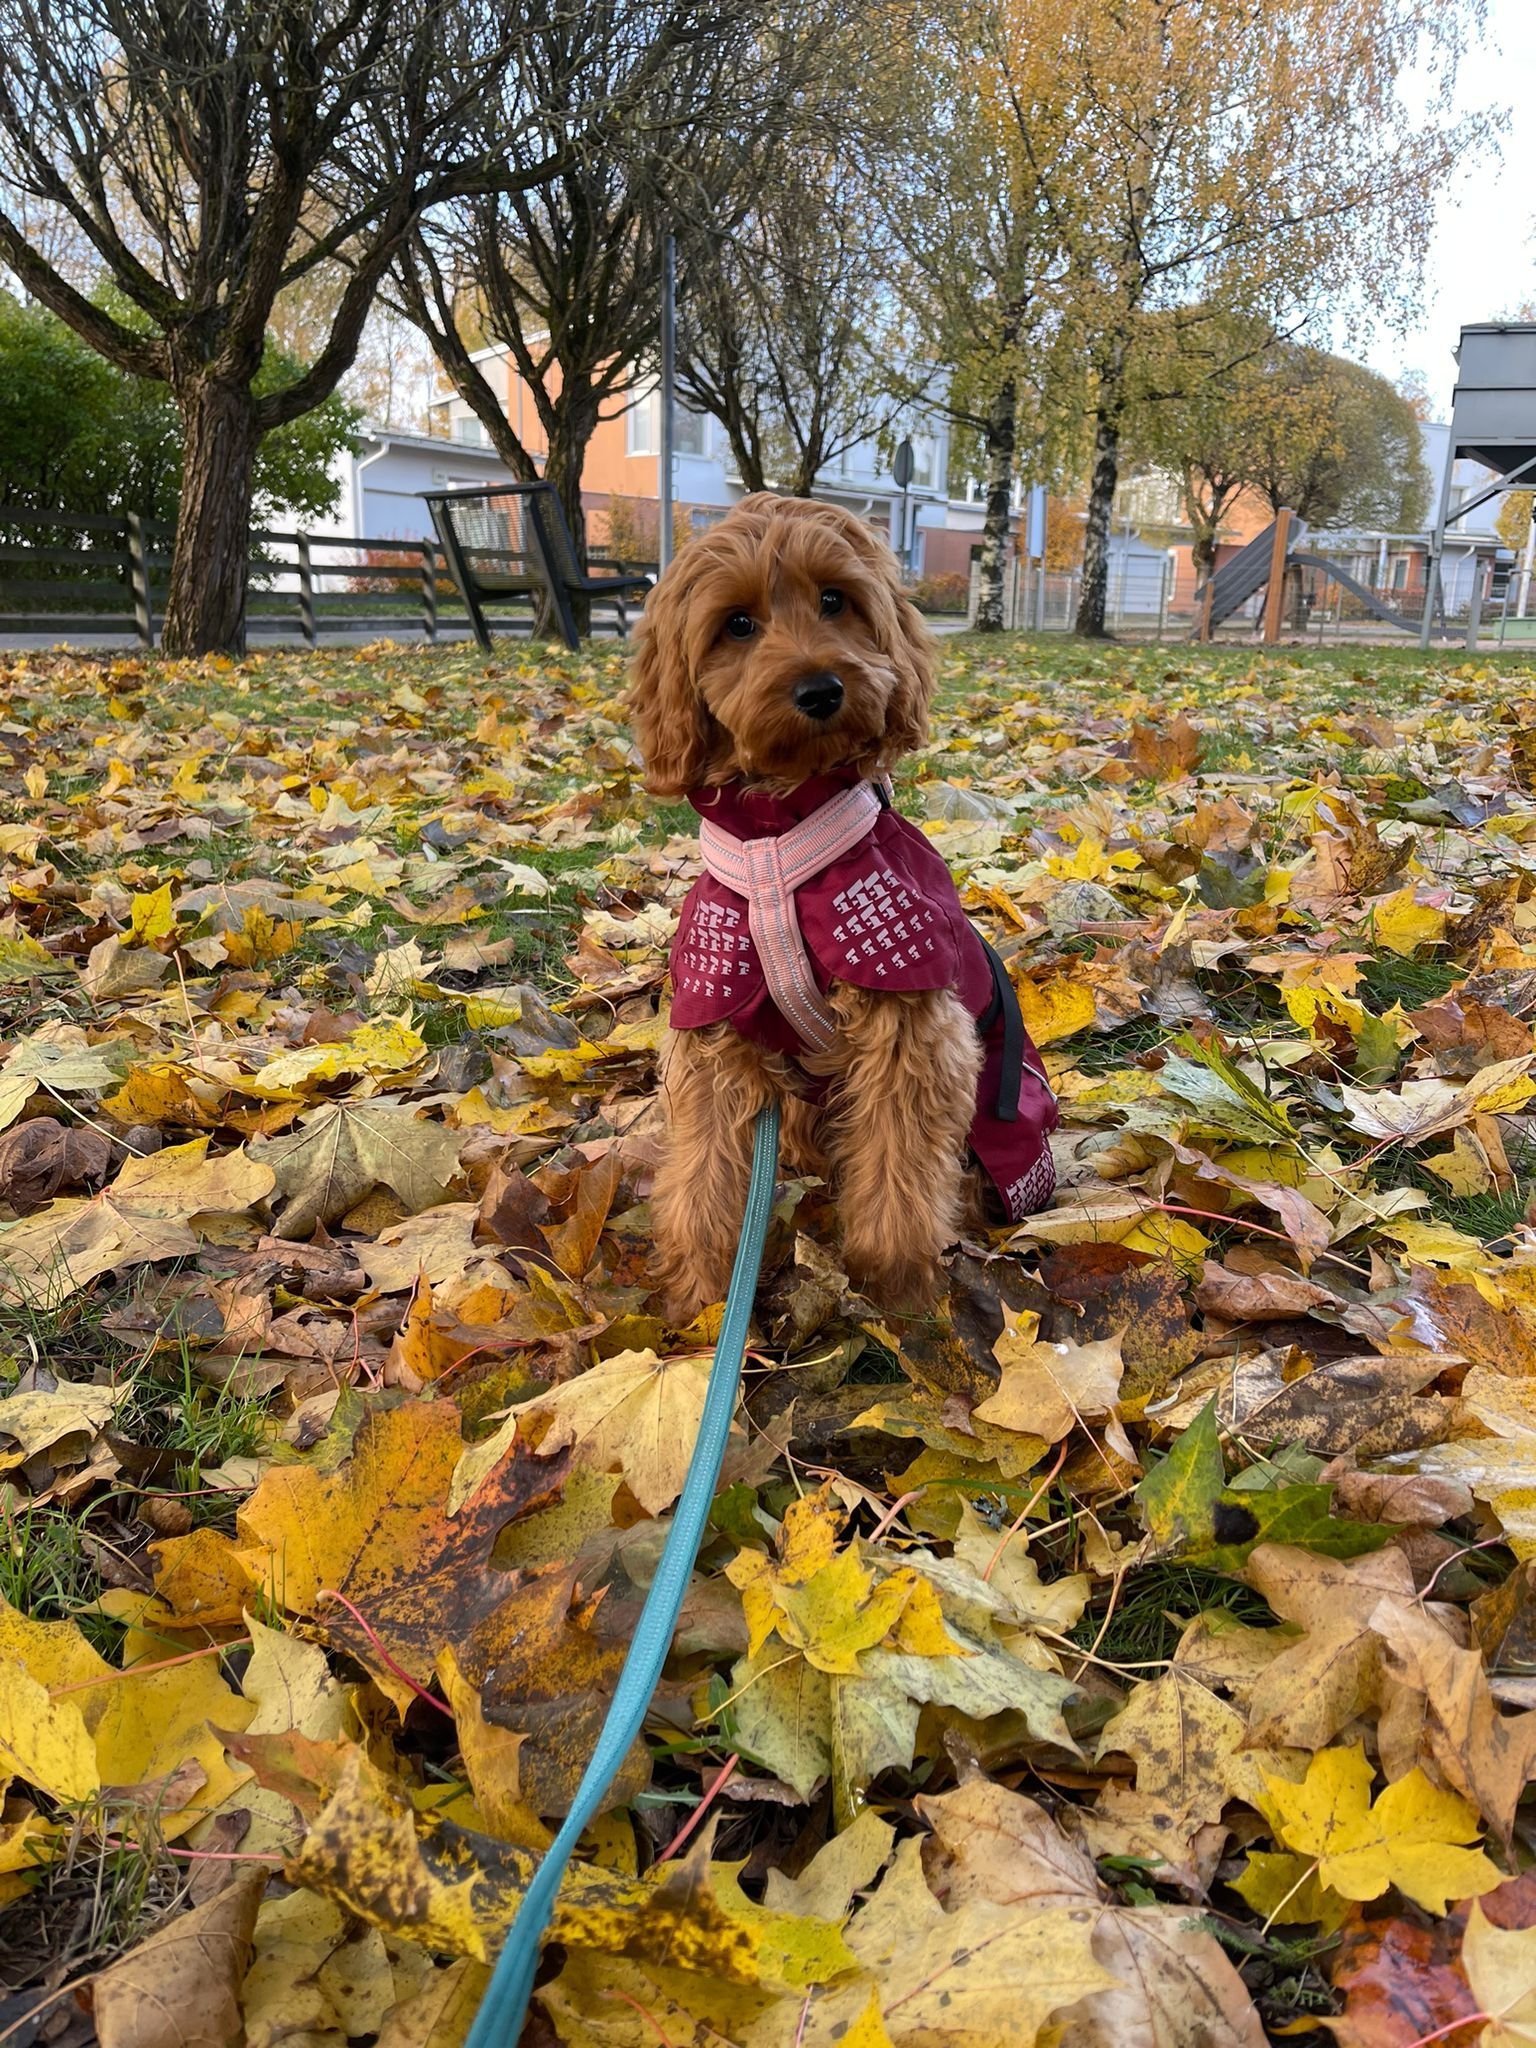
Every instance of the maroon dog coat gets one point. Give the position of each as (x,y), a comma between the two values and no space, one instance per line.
(830,884)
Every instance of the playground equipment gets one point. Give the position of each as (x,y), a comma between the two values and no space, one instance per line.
(1265,561)
(1493,421)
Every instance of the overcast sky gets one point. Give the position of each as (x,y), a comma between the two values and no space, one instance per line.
(1482,261)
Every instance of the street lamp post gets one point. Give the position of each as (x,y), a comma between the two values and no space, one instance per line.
(668,393)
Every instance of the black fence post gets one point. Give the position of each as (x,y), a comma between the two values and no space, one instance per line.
(306,590)
(138,579)
(429,590)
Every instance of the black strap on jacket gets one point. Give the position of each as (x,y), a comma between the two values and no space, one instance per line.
(1005,1003)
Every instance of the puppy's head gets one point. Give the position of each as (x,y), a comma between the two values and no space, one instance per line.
(777,646)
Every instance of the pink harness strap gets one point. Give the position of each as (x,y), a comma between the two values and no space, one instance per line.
(767,872)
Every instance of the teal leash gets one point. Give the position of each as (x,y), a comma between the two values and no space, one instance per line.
(499,2021)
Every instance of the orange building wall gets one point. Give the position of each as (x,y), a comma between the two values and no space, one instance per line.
(609,468)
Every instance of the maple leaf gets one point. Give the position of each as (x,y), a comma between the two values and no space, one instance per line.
(1413,1837)
(376,1531)
(457,1891)
(149,1212)
(1500,1963)
(180,1987)
(1484,1755)
(541,1672)
(1048,1388)
(1315,1686)
(983,1972)
(71,1725)
(314,1970)
(633,1413)
(59,1061)
(344,1149)
(61,1420)
(1191,1510)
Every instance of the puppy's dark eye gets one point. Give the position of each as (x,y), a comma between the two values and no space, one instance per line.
(740,625)
(832,602)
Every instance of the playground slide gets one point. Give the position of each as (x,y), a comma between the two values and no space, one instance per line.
(1237,580)
(1367,597)
(1248,571)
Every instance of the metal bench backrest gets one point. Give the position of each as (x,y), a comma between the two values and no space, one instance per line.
(496,534)
(512,540)
(496,549)
(555,536)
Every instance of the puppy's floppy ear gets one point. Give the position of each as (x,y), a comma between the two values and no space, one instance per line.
(668,714)
(903,639)
(912,657)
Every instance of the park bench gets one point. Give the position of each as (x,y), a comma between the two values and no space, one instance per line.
(510,544)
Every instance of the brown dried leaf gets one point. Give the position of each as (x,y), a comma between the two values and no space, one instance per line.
(180,1988)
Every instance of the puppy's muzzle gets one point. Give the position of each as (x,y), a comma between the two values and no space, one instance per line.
(819,695)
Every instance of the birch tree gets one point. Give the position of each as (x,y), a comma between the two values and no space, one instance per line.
(984,267)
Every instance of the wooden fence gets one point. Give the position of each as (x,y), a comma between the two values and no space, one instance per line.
(297,582)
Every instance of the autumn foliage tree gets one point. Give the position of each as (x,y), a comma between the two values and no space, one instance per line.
(1258,156)
(984,267)
(206,156)
(1294,425)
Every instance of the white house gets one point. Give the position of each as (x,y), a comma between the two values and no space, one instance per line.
(381,485)
(623,459)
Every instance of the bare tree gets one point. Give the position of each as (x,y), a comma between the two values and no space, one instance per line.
(789,329)
(212,154)
(565,278)
(562,274)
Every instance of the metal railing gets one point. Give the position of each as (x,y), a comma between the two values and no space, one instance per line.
(1319,608)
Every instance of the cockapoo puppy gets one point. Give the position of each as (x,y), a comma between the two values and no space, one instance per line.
(822,957)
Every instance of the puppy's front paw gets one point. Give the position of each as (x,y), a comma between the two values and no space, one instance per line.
(681,1305)
(904,1285)
(686,1289)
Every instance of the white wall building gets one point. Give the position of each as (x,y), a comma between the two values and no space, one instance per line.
(381,485)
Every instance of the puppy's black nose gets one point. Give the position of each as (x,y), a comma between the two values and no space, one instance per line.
(818,696)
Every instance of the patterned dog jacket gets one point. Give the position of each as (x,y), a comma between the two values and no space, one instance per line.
(830,884)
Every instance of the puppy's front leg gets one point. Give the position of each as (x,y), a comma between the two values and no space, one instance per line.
(713,1085)
(904,1074)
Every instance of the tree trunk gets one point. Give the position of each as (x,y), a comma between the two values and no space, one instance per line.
(205,609)
(1101,504)
(570,433)
(1002,431)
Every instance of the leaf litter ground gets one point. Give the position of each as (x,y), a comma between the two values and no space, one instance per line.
(1138,1648)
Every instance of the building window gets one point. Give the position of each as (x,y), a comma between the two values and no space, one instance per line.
(690,432)
(925,462)
(1400,572)
(640,426)
(469,430)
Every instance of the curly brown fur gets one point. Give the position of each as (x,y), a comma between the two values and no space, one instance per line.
(904,1071)
(711,708)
